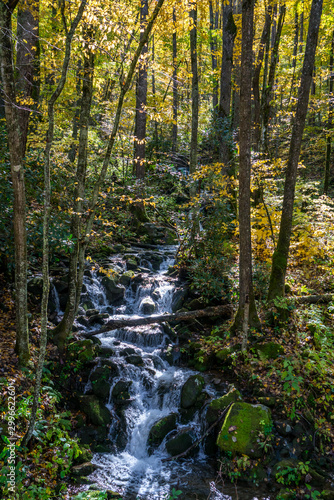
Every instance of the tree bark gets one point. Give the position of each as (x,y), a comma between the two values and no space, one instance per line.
(27,64)
(224,312)
(77,256)
(224,126)
(175,86)
(256,76)
(46,217)
(16,153)
(141,100)
(214,17)
(194,87)
(330,118)
(247,308)
(281,253)
(267,94)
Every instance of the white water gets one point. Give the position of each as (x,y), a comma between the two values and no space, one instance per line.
(155,393)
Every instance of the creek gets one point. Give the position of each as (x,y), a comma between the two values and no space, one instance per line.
(146,368)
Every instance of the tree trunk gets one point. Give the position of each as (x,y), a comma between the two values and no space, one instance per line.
(330,118)
(16,153)
(156,135)
(27,63)
(224,126)
(194,87)
(267,95)
(175,89)
(265,37)
(141,99)
(281,254)
(77,257)
(214,17)
(247,309)
(46,216)
(73,150)
(125,83)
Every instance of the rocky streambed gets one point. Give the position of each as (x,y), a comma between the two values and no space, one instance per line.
(152,424)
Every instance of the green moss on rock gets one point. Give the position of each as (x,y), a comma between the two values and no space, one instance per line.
(191,391)
(160,430)
(218,405)
(269,350)
(240,431)
(96,412)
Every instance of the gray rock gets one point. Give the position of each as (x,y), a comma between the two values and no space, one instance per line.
(181,442)
(148,306)
(191,391)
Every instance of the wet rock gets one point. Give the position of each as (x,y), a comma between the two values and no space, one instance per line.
(218,405)
(92,435)
(114,291)
(114,369)
(85,456)
(160,430)
(126,278)
(105,351)
(148,306)
(98,319)
(134,359)
(156,260)
(82,320)
(83,469)
(96,412)
(91,312)
(86,303)
(191,391)
(269,350)
(120,391)
(100,382)
(127,351)
(181,442)
(179,296)
(242,426)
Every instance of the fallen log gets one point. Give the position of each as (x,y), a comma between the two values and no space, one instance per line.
(313,299)
(224,312)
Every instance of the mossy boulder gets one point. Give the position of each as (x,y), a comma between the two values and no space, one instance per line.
(85,349)
(126,278)
(160,430)
(181,442)
(240,431)
(269,350)
(148,306)
(114,291)
(83,469)
(134,359)
(85,456)
(218,405)
(131,264)
(96,412)
(100,381)
(120,390)
(191,391)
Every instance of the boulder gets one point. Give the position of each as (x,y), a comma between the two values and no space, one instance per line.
(179,296)
(242,426)
(160,430)
(181,442)
(100,381)
(83,469)
(85,350)
(148,306)
(91,312)
(126,278)
(269,350)
(131,264)
(120,390)
(218,405)
(134,359)
(191,391)
(114,291)
(96,412)
(98,319)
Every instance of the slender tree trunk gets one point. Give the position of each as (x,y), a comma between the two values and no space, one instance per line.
(175,86)
(281,254)
(330,118)
(265,37)
(62,330)
(247,314)
(229,34)
(141,99)
(27,63)
(267,95)
(194,87)
(73,150)
(214,18)
(16,152)
(46,217)
(156,134)
(77,257)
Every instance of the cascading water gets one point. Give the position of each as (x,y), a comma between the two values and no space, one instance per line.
(153,388)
